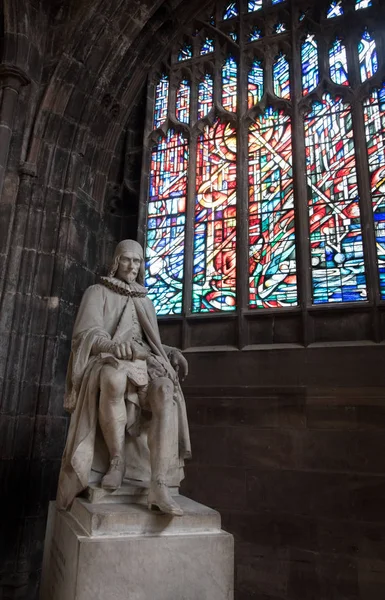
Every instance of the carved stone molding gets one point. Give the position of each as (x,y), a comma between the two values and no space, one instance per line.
(12,76)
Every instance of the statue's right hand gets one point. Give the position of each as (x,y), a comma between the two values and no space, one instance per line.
(123,351)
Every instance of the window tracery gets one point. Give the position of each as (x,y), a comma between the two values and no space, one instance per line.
(256,200)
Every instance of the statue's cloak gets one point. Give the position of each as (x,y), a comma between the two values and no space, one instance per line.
(102,312)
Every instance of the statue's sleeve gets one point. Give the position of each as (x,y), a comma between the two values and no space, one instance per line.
(89,327)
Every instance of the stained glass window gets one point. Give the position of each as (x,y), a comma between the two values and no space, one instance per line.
(255,83)
(374,114)
(338,269)
(281,77)
(255,35)
(310,72)
(254,5)
(363,4)
(229,84)
(272,263)
(335,9)
(161,101)
(185,53)
(166,223)
(182,104)
(205,96)
(214,264)
(367,55)
(231,11)
(207,46)
(300,222)
(338,63)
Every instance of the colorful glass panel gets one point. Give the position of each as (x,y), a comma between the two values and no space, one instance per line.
(233,35)
(281,77)
(335,10)
(185,53)
(255,35)
(254,5)
(277,1)
(205,96)
(338,270)
(229,84)
(231,11)
(367,56)
(214,263)
(255,83)
(363,4)
(207,46)
(310,72)
(161,101)
(279,28)
(166,223)
(338,63)
(374,114)
(272,262)
(182,102)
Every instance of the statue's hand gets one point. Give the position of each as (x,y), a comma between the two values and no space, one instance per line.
(123,351)
(179,363)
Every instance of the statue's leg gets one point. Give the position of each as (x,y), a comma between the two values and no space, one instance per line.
(112,420)
(161,442)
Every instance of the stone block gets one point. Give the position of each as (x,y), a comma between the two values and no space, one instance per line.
(124,552)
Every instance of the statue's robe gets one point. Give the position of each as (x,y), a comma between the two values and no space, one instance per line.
(104,313)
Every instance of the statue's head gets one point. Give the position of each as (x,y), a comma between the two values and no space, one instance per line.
(128,262)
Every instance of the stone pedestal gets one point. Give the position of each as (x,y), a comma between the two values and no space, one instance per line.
(119,551)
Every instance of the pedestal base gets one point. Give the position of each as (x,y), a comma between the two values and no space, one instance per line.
(116,551)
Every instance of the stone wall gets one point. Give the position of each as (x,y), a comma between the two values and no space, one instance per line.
(298,474)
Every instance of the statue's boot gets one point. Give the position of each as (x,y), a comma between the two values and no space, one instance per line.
(112,420)
(159,499)
(162,445)
(114,476)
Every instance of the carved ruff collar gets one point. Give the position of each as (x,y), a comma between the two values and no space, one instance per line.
(134,289)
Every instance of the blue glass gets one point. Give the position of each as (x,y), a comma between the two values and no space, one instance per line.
(310,71)
(185,53)
(255,83)
(281,77)
(161,101)
(255,35)
(335,9)
(279,28)
(367,56)
(207,46)
(338,63)
(231,11)
(254,5)
(363,4)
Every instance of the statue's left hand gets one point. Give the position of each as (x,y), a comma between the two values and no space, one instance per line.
(179,363)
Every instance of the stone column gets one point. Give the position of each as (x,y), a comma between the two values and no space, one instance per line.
(11,81)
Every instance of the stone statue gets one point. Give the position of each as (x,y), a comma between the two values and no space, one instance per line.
(128,411)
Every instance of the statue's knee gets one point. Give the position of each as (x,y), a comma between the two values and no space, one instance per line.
(112,383)
(162,393)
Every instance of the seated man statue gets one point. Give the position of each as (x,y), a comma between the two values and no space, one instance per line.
(128,410)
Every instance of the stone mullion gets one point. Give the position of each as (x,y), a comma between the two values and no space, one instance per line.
(190,209)
(300,188)
(366,212)
(242,245)
(146,158)
(11,81)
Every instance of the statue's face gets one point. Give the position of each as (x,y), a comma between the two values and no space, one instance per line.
(128,268)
